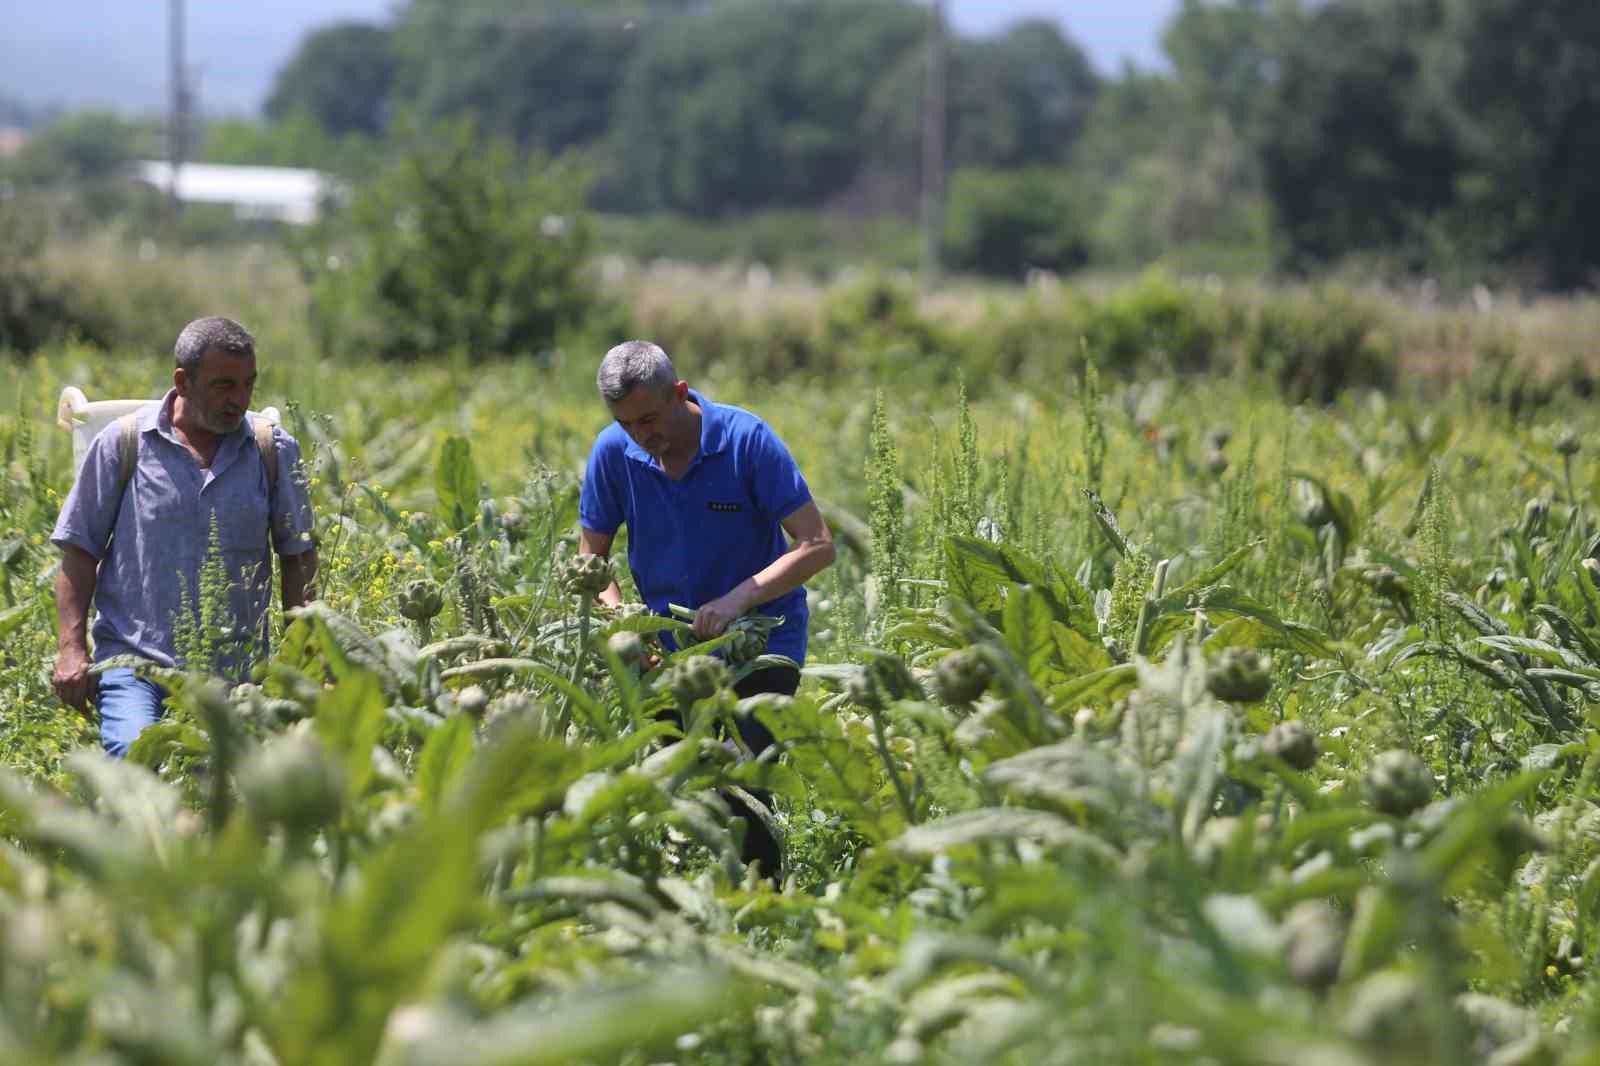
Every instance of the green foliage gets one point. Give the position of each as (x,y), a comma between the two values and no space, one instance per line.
(1004,224)
(459,247)
(543,75)
(1028,803)
(341,75)
(1017,100)
(708,120)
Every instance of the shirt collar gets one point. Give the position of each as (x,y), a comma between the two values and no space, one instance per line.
(713,432)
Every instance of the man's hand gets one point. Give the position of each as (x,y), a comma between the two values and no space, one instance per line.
(72,681)
(711,619)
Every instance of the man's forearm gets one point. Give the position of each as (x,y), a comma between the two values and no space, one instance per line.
(74,592)
(803,561)
(299,578)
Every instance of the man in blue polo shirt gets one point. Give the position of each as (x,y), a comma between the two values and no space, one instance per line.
(719,518)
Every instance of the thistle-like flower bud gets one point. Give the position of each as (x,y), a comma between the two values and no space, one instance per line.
(1534,515)
(962,676)
(1239,675)
(515,525)
(1568,443)
(421,600)
(1313,944)
(696,678)
(1293,742)
(472,701)
(627,646)
(744,646)
(862,688)
(1399,783)
(1312,505)
(586,575)
(292,782)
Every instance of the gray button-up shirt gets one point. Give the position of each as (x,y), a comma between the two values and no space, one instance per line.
(153,537)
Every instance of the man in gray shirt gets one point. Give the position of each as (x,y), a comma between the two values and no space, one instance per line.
(200,491)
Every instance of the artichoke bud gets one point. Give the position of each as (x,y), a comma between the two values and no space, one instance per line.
(1293,742)
(627,646)
(292,782)
(962,676)
(1239,675)
(472,701)
(696,678)
(515,525)
(1313,944)
(1399,783)
(421,600)
(1567,444)
(1534,515)
(586,575)
(1312,505)
(862,688)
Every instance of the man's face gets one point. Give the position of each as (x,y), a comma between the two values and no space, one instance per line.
(650,416)
(218,393)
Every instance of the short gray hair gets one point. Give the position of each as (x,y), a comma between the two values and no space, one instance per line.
(631,364)
(204,334)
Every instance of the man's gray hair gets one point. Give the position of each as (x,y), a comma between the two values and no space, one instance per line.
(631,364)
(204,334)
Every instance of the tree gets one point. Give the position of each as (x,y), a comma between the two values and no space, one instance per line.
(1004,223)
(749,107)
(1355,154)
(1021,99)
(342,76)
(544,75)
(298,140)
(458,246)
(1520,85)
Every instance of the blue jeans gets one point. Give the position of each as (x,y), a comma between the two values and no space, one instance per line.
(127,704)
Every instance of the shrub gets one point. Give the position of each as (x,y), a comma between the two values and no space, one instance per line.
(1005,223)
(1316,346)
(458,246)
(1156,320)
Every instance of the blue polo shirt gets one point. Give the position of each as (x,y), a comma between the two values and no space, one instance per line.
(697,538)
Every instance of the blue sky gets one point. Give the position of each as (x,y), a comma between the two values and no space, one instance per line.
(112,53)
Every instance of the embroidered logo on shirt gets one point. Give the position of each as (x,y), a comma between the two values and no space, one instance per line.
(725,508)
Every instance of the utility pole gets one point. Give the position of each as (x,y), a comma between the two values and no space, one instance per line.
(177,104)
(933,136)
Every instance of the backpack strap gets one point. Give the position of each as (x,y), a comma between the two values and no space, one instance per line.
(127,447)
(268,447)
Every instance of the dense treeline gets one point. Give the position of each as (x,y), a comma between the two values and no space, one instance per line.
(1451,137)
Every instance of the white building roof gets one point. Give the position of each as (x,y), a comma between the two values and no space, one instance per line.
(284,194)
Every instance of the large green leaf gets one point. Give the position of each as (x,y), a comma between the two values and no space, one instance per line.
(978,572)
(444,756)
(349,720)
(456,483)
(1026,626)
